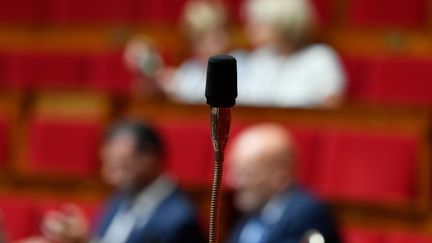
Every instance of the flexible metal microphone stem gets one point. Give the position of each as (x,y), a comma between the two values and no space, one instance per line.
(220,122)
(221,92)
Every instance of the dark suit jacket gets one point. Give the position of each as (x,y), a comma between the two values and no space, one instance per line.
(302,213)
(174,221)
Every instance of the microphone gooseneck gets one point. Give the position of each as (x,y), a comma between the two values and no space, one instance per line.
(221,92)
(220,123)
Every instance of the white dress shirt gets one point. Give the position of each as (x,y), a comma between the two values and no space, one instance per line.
(137,215)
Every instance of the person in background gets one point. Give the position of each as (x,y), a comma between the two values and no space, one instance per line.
(276,209)
(284,69)
(147,205)
(204,24)
(143,62)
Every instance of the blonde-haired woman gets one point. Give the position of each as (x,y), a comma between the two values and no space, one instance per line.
(205,24)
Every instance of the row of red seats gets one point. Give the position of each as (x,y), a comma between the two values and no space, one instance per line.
(393,80)
(358,166)
(383,13)
(84,12)
(362,235)
(21,215)
(68,147)
(45,70)
(388,13)
(390,79)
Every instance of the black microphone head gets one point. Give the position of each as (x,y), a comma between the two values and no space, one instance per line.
(221,85)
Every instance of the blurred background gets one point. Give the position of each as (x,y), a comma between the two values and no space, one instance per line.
(63,80)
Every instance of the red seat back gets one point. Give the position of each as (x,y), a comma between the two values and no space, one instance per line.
(44,70)
(23,11)
(64,147)
(17,215)
(5,146)
(400,80)
(360,235)
(368,167)
(159,11)
(63,134)
(324,11)
(387,13)
(107,72)
(95,11)
(409,237)
(355,68)
(188,150)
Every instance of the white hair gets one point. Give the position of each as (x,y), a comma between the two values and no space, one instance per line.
(293,19)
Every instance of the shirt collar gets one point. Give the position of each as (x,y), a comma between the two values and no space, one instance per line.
(155,192)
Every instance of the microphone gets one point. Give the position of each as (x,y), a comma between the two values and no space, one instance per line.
(221,92)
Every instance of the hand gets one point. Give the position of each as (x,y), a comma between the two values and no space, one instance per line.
(140,56)
(68,225)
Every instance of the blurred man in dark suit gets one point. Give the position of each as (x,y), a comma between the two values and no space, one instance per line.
(147,206)
(276,209)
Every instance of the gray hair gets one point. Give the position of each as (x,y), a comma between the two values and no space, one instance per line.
(293,19)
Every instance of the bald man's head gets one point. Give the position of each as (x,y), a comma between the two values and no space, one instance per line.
(261,165)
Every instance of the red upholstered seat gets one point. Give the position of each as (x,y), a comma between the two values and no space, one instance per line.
(63,146)
(156,11)
(4,142)
(12,75)
(402,80)
(188,150)
(3,70)
(324,11)
(107,72)
(409,237)
(387,13)
(306,146)
(360,235)
(41,70)
(17,216)
(53,70)
(234,9)
(355,68)
(366,167)
(95,11)
(356,234)
(23,11)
